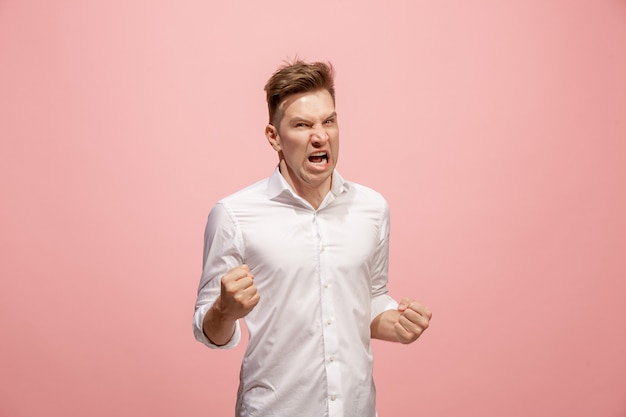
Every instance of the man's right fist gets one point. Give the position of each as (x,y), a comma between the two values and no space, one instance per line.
(238,295)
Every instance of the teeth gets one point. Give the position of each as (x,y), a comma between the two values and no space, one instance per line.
(319,158)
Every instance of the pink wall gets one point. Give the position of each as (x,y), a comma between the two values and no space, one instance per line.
(497,131)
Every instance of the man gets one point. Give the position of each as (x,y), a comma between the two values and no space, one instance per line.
(302,257)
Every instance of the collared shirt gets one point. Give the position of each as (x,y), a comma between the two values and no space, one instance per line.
(322,278)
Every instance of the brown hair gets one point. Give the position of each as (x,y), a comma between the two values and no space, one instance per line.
(294,78)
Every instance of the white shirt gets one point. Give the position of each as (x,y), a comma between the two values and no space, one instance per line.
(322,278)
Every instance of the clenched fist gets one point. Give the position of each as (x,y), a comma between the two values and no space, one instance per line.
(238,294)
(413,320)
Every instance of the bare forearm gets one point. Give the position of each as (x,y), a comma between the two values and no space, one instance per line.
(217,327)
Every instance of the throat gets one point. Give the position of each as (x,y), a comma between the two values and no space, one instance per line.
(309,189)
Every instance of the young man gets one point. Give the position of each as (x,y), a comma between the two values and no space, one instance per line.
(302,256)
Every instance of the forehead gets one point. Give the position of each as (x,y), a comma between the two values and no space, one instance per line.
(317,103)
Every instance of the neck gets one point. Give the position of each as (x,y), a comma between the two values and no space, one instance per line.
(313,193)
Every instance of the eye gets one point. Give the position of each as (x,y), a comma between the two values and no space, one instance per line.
(330,121)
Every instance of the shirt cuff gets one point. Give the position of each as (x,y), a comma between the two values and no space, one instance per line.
(382,303)
(198,318)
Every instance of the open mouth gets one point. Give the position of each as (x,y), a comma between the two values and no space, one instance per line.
(319,158)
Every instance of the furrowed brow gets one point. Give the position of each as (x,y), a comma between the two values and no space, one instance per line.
(298,119)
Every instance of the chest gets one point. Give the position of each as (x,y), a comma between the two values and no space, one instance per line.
(294,237)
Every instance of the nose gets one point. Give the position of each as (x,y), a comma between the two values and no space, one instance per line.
(319,136)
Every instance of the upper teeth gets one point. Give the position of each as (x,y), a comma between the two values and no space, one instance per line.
(319,154)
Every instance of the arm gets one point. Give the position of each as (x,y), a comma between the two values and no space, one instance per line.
(405,323)
(215,321)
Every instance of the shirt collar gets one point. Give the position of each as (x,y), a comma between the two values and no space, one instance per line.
(278,185)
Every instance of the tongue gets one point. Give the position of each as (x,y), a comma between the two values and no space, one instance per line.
(316,159)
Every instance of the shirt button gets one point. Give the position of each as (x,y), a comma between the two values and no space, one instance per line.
(329,322)
(326,285)
(333,397)
(332,359)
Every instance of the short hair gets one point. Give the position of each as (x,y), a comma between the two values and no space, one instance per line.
(294,78)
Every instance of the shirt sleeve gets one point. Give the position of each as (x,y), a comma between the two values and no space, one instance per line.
(381,300)
(222,252)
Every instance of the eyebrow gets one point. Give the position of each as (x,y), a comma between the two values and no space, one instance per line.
(333,115)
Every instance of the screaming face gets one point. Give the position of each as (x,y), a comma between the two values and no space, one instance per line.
(307,141)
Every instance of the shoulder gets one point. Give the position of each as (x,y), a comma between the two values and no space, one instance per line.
(225,208)
(365,194)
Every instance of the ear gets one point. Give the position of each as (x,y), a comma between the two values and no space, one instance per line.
(271,133)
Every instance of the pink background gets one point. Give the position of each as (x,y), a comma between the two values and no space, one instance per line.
(497,131)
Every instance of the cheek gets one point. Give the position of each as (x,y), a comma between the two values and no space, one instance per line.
(294,148)
(292,153)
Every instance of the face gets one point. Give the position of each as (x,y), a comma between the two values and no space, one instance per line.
(307,140)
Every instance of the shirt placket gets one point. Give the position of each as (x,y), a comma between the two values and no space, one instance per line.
(329,325)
